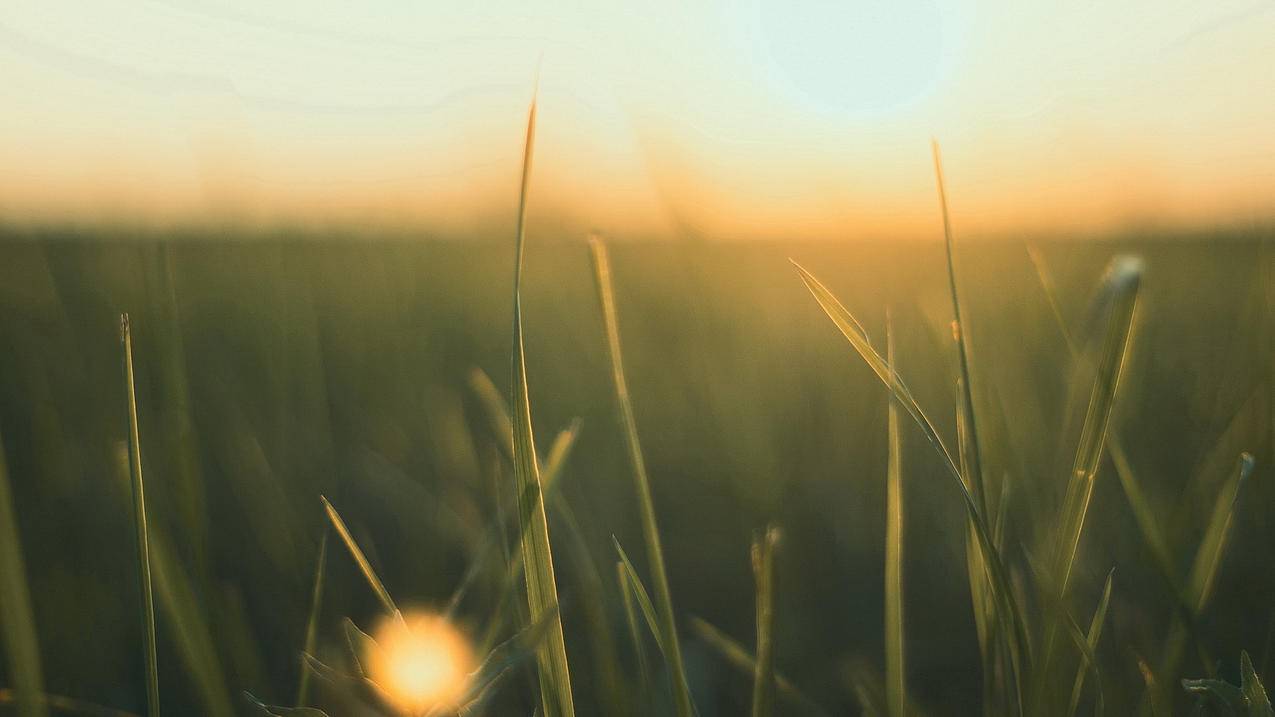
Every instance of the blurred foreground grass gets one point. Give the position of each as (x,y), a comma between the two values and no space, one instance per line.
(273,369)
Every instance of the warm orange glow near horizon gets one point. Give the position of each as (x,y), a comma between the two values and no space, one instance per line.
(766,119)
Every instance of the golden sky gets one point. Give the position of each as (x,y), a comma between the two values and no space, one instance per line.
(757,118)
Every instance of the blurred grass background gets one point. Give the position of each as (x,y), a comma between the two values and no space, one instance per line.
(275,367)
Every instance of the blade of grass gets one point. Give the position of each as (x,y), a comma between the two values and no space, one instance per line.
(630,619)
(312,622)
(1122,286)
(17,621)
(1208,558)
(741,659)
(959,330)
(360,559)
(998,571)
(513,569)
(650,529)
(896,691)
(763,557)
(643,599)
(1120,290)
(141,543)
(1095,634)
(542,590)
(179,602)
(1143,513)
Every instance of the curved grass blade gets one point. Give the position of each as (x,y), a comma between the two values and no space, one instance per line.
(142,542)
(996,567)
(1121,287)
(312,622)
(630,619)
(17,622)
(896,691)
(959,330)
(1095,634)
(1259,705)
(643,599)
(741,659)
(650,528)
(537,555)
(763,556)
(1208,557)
(1119,293)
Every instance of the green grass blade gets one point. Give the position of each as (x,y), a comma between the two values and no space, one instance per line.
(896,691)
(1259,705)
(741,659)
(179,602)
(593,604)
(1121,287)
(537,555)
(312,622)
(1118,301)
(1208,558)
(650,529)
(997,569)
(17,621)
(630,619)
(142,542)
(643,599)
(960,331)
(359,558)
(1092,638)
(763,557)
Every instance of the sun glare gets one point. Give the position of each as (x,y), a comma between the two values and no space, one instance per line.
(423,663)
(859,57)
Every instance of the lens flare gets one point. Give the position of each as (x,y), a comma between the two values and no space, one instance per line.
(422,662)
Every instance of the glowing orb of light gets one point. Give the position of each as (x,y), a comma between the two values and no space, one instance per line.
(422,662)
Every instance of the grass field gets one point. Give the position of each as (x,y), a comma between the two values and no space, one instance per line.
(274,368)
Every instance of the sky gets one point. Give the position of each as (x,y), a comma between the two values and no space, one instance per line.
(752,119)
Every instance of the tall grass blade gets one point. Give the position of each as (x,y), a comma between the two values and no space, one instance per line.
(142,543)
(763,557)
(1092,638)
(1208,557)
(359,558)
(741,659)
(1121,287)
(630,619)
(1119,301)
(312,622)
(17,621)
(960,333)
(896,691)
(179,602)
(997,569)
(643,599)
(537,556)
(650,529)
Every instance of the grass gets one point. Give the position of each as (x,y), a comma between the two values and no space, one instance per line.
(756,419)
(537,554)
(665,618)
(142,540)
(895,664)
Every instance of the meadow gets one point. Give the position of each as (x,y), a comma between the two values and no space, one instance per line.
(275,367)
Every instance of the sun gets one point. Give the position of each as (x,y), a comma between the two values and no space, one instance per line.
(854,56)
